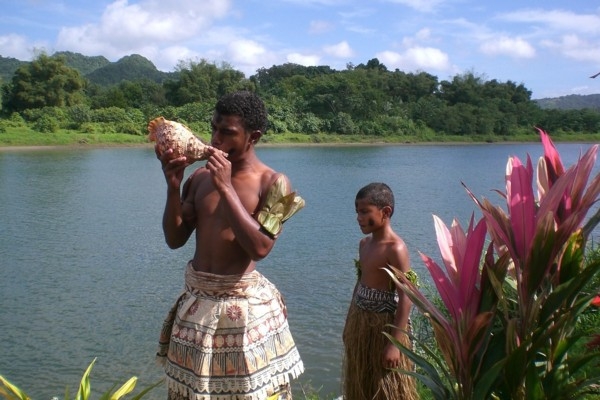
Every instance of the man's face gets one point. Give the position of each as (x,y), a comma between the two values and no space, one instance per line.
(229,134)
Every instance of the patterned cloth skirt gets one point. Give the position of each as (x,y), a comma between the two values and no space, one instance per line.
(227,338)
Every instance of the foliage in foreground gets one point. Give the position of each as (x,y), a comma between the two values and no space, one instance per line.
(507,326)
(12,392)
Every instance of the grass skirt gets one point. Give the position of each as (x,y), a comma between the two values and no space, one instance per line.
(364,377)
(227,337)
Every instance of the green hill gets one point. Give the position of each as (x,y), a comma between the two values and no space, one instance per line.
(571,102)
(97,69)
(83,64)
(8,66)
(128,68)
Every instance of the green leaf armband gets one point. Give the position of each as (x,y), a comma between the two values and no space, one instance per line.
(278,207)
(412,276)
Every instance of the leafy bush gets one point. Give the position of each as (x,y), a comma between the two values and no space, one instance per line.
(110,114)
(12,392)
(45,124)
(78,115)
(507,328)
(130,128)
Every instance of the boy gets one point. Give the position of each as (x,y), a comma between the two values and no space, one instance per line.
(369,355)
(227,336)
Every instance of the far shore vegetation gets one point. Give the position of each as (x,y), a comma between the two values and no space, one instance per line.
(69,99)
(24,137)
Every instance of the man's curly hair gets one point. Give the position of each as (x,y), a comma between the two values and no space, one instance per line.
(248,106)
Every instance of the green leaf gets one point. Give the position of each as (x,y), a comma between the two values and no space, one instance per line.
(84,387)
(484,384)
(533,385)
(126,388)
(148,389)
(18,393)
(431,378)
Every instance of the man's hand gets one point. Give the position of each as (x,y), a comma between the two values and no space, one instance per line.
(220,169)
(173,168)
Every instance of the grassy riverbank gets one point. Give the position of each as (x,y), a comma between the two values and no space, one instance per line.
(24,136)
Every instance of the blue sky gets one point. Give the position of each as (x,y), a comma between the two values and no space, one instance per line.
(552,47)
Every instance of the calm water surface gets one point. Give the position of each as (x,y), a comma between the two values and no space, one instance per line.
(85,272)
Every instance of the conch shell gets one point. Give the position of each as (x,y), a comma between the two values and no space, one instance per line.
(173,135)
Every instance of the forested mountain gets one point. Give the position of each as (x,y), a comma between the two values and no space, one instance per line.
(8,66)
(97,69)
(83,64)
(571,102)
(129,68)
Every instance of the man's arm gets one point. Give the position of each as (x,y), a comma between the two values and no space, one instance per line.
(175,228)
(248,232)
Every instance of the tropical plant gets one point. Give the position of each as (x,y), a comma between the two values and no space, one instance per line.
(12,392)
(508,329)
(462,328)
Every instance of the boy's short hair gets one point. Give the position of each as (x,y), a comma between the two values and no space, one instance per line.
(248,106)
(377,193)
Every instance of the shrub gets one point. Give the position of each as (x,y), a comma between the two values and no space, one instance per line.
(10,391)
(45,124)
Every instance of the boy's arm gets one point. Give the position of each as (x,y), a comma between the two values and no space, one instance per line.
(391,354)
(401,260)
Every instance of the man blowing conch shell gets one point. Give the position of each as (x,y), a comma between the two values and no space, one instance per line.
(227,335)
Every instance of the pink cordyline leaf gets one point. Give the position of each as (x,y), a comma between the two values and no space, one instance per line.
(543,184)
(459,289)
(555,166)
(444,287)
(564,199)
(521,205)
(445,244)
(593,191)
(499,228)
(555,196)
(583,170)
(419,300)
(470,271)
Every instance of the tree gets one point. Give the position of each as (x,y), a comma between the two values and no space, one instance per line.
(45,82)
(203,82)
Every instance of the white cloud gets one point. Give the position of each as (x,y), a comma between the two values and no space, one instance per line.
(301,59)
(169,57)
(319,27)
(19,47)
(419,5)
(142,27)
(576,48)
(421,36)
(340,50)
(245,52)
(512,47)
(557,20)
(416,58)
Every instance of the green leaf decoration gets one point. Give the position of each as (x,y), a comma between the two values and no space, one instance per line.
(278,207)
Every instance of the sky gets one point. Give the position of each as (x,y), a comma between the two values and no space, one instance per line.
(551,47)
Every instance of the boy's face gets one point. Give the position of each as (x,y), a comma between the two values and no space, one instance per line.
(369,216)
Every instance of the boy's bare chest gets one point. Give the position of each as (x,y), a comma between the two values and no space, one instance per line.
(373,257)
